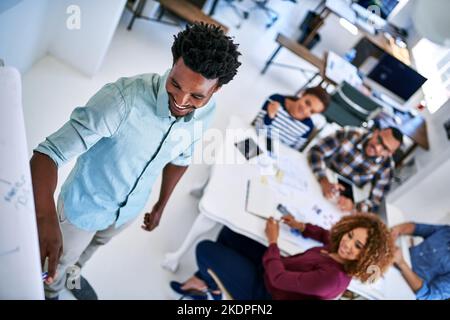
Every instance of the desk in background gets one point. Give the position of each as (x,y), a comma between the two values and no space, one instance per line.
(182,8)
(224,202)
(382,39)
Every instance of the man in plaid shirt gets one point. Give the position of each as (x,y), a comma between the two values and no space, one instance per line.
(360,156)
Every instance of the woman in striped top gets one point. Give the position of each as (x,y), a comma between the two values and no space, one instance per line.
(288,118)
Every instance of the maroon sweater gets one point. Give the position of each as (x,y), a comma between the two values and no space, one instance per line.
(309,275)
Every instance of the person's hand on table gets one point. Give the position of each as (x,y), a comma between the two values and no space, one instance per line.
(291,222)
(272,109)
(330,190)
(345,204)
(272,230)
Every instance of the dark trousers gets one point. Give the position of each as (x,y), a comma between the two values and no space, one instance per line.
(237,261)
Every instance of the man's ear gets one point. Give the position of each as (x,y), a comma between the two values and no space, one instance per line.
(217,87)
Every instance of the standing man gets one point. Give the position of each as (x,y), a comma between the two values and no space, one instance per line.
(127,133)
(360,156)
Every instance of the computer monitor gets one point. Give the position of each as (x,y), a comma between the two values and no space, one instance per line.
(396,77)
(385,6)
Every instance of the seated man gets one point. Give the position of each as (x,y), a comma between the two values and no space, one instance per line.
(292,122)
(429,277)
(361,157)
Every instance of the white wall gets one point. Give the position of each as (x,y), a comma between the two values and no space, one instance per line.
(426,195)
(85,48)
(29,29)
(401,15)
(24,35)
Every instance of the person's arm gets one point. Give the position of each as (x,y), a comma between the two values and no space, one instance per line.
(170,177)
(426,230)
(403,229)
(308,230)
(268,111)
(317,155)
(436,289)
(413,280)
(316,233)
(44,175)
(172,173)
(291,222)
(100,118)
(380,186)
(317,283)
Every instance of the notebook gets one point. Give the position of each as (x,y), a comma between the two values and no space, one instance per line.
(261,200)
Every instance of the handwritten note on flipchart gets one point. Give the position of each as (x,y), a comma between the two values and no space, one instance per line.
(19,248)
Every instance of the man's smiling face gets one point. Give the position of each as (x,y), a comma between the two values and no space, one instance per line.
(188,90)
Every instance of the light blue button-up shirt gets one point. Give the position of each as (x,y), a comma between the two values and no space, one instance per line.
(431,261)
(125,135)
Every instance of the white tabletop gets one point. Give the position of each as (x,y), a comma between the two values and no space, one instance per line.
(224,198)
(224,201)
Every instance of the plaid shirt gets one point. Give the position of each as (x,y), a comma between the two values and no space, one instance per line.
(343,152)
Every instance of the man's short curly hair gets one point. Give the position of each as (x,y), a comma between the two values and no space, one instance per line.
(205,49)
(377,254)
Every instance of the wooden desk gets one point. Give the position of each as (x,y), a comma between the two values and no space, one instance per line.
(387,45)
(297,49)
(181,8)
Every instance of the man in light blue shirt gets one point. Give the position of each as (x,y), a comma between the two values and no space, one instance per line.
(429,276)
(127,134)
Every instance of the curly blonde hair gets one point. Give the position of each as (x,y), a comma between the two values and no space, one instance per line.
(377,254)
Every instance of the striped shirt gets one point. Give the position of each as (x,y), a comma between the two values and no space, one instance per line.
(343,152)
(290,131)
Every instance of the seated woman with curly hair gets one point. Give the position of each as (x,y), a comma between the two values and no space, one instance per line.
(250,270)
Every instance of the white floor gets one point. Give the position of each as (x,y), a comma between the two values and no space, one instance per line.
(129,266)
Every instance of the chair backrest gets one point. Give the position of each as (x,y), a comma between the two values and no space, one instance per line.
(350,107)
(225,293)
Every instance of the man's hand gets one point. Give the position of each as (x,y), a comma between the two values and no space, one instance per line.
(329,189)
(272,109)
(345,204)
(44,176)
(50,244)
(170,177)
(151,219)
(272,230)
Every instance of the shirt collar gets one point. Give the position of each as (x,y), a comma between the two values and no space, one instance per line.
(162,101)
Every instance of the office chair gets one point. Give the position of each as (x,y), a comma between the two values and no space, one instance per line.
(271,14)
(350,107)
(240,12)
(225,293)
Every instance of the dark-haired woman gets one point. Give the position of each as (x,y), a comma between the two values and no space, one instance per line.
(289,118)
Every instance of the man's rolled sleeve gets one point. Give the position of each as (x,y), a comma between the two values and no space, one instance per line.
(185,158)
(426,230)
(437,289)
(101,117)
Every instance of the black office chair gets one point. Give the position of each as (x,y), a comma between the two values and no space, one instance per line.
(240,12)
(271,14)
(350,107)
